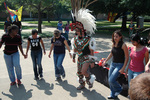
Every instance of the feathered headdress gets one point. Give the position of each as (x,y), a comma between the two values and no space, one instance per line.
(82,17)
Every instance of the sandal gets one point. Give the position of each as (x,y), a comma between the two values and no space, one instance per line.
(90,84)
(80,87)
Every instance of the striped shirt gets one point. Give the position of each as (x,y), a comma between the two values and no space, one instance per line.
(11,44)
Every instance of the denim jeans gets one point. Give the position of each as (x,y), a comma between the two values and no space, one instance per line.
(36,56)
(12,61)
(112,78)
(132,75)
(58,60)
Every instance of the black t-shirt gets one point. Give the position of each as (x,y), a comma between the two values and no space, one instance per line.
(18,23)
(35,43)
(59,46)
(118,54)
(11,44)
(7,23)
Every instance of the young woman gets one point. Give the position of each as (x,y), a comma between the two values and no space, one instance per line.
(36,53)
(138,53)
(58,43)
(11,55)
(119,54)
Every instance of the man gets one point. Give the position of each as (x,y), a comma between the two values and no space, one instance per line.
(18,23)
(83,45)
(6,24)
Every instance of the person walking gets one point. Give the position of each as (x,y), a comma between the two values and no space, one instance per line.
(11,55)
(60,26)
(119,55)
(6,24)
(138,53)
(67,30)
(36,53)
(131,29)
(18,23)
(58,43)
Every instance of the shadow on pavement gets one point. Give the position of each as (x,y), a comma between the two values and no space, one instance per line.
(43,85)
(92,94)
(68,87)
(18,93)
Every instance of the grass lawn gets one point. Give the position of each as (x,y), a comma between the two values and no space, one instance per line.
(103,27)
(23,27)
(43,35)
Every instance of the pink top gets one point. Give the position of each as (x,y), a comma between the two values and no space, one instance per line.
(137,58)
(67,28)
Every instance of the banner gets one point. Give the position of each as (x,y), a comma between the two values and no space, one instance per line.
(111,16)
(14,13)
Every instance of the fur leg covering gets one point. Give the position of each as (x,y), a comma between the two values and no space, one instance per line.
(90,80)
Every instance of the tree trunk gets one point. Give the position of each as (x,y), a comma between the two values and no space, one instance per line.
(48,17)
(39,18)
(124,21)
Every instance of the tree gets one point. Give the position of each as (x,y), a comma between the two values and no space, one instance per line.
(39,6)
(122,7)
(139,7)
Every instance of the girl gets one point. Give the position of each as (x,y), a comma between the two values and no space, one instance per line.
(36,53)
(119,54)
(58,43)
(11,55)
(138,53)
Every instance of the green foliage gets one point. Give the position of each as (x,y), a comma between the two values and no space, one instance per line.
(47,34)
(1,25)
(139,7)
(66,4)
(23,27)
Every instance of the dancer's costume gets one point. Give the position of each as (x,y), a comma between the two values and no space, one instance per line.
(85,22)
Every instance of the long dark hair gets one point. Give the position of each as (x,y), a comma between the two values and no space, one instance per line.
(136,37)
(13,27)
(121,40)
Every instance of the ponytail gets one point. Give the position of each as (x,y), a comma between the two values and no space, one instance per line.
(136,37)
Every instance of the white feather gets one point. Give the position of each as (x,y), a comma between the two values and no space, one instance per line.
(87,19)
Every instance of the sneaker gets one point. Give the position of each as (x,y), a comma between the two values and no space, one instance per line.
(41,76)
(117,93)
(58,78)
(36,78)
(18,82)
(110,97)
(12,83)
(63,76)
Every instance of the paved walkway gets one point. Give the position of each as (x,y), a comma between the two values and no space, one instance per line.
(48,88)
